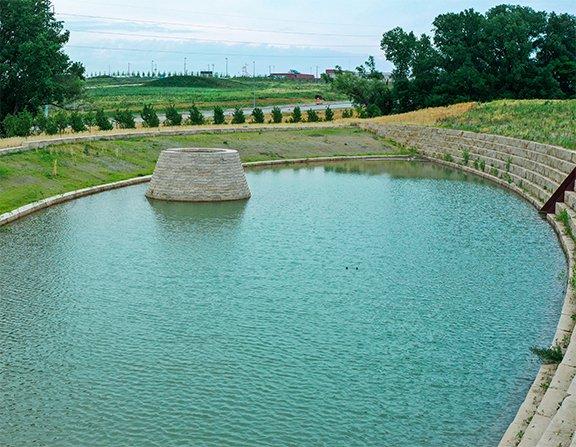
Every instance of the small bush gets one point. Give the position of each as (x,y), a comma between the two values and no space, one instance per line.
(150,117)
(89,119)
(347,113)
(40,122)
(173,118)
(238,116)
(258,115)
(329,114)
(62,121)
(548,356)
(296,115)
(448,158)
(482,165)
(219,117)
(18,125)
(102,121)
(51,127)
(312,116)
(465,157)
(77,123)
(124,119)
(372,111)
(276,115)
(196,117)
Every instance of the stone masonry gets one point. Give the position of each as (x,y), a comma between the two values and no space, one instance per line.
(198,175)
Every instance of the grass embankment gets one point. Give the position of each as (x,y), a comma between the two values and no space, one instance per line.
(544,121)
(204,92)
(30,176)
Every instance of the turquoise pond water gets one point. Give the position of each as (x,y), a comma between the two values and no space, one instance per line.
(347,304)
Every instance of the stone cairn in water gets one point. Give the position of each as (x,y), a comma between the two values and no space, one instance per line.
(199,175)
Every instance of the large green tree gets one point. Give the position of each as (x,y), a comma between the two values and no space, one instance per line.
(34,70)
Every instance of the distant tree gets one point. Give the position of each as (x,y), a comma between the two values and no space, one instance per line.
(329,114)
(124,119)
(173,117)
(149,116)
(238,116)
(276,115)
(219,117)
(196,116)
(258,115)
(296,115)
(34,69)
(312,116)
(102,121)
(76,122)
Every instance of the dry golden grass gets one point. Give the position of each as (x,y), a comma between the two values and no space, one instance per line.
(427,116)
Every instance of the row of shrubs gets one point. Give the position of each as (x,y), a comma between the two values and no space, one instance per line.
(25,124)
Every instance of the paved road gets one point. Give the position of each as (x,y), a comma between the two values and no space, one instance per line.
(285,109)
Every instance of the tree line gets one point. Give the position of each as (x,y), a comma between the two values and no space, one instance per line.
(510,52)
(25,124)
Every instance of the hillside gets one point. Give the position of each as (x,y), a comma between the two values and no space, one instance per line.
(544,121)
(194,81)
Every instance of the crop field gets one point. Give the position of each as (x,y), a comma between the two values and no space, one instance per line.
(133,93)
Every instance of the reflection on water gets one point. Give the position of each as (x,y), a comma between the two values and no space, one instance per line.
(398,169)
(196,213)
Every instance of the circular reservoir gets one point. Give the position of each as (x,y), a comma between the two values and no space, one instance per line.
(359,303)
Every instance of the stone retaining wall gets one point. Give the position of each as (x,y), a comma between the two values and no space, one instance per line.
(547,417)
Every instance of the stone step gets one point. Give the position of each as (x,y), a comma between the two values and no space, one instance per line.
(528,186)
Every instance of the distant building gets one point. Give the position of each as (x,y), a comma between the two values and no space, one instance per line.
(207,74)
(293,74)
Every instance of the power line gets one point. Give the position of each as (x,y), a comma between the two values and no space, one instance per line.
(220,15)
(140,50)
(228,28)
(199,39)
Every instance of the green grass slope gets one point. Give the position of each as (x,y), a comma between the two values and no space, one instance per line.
(193,81)
(544,121)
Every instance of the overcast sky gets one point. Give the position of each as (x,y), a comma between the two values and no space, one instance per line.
(267,34)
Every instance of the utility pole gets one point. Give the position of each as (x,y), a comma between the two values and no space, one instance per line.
(316,71)
(152,66)
(253,69)
(185,66)
(226,67)
(128,69)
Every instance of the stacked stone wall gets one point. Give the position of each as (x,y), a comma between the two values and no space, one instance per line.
(199,175)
